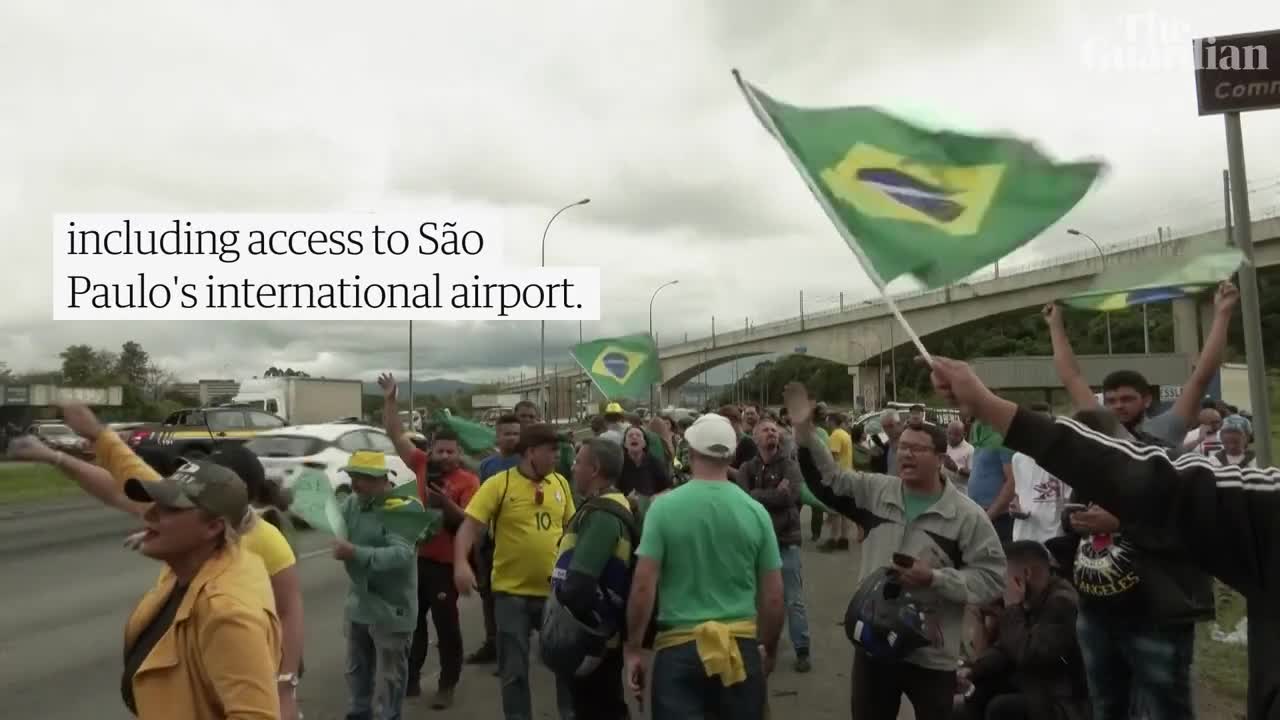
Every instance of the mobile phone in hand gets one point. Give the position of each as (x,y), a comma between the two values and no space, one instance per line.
(1074,507)
(903,560)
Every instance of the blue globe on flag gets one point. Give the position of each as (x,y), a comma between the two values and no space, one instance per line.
(618,364)
(620,367)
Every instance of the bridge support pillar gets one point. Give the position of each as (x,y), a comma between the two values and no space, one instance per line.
(1186,336)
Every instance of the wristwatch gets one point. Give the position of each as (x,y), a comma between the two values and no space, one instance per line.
(290,679)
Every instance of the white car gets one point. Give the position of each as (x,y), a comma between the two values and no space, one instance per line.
(59,437)
(286,451)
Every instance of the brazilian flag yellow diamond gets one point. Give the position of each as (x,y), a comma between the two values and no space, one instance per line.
(882,184)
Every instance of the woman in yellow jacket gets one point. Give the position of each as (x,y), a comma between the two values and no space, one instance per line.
(204,643)
(118,464)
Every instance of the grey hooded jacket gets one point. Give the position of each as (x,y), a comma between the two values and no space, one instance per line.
(954,537)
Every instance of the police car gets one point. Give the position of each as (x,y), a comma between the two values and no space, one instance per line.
(197,432)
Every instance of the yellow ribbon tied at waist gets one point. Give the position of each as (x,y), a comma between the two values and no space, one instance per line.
(717,647)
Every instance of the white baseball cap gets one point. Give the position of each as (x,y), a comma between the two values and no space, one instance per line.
(713,436)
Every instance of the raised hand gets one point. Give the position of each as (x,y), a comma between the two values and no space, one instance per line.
(1052,315)
(81,419)
(799,406)
(30,449)
(390,390)
(1225,299)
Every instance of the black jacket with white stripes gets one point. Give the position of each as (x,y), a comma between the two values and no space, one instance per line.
(1229,517)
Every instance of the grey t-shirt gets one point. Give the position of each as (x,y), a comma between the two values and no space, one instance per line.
(1167,426)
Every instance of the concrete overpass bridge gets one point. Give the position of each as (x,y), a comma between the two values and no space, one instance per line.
(858,332)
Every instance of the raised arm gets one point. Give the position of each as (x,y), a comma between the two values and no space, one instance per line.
(1064,361)
(835,482)
(1187,406)
(1232,513)
(92,479)
(391,419)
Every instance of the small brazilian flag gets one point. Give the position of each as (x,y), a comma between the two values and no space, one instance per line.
(934,205)
(620,367)
(1158,280)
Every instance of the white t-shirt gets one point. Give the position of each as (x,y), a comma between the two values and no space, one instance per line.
(1039,494)
(961,455)
(1253,463)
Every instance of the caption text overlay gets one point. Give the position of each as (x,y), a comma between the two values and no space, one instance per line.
(304,267)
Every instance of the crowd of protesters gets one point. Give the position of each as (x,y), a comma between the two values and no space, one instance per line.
(1012,563)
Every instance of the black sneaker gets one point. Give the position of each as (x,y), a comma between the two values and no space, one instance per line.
(802,664)
(485,655)
(443,699)
(414,688)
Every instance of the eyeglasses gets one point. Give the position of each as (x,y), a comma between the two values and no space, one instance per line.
(913,449)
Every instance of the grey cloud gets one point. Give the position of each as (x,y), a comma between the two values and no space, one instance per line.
(168,107)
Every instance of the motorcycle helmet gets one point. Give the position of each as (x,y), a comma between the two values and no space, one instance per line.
(884,619)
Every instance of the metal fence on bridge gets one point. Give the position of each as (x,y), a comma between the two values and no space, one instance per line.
(869,298)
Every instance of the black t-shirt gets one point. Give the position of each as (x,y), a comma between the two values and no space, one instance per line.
(746,451)
(646,477)
(146,642)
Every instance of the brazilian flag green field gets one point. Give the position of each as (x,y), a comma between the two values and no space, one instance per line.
(622,366)
(935,205)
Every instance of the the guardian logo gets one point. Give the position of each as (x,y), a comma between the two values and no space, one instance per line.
(1147,42)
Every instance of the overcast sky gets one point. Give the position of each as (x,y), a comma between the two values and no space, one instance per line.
(524,107)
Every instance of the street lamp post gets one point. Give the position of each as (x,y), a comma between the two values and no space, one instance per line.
(542,339)
(410,377)
(1101,256)
(652,388)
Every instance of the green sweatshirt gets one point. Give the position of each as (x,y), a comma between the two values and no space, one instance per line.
(384,571)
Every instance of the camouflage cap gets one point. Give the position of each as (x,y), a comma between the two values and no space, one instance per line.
(204,485)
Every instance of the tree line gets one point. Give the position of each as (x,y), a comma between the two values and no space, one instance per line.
(148,388)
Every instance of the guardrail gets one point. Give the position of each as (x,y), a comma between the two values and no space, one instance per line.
(851,302)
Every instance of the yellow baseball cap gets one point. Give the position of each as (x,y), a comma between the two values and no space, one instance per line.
(613,408)
(367,462)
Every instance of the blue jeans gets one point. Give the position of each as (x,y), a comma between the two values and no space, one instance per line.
(517,618)
(1133,666)
(377,668)
(793,597)
(682,690)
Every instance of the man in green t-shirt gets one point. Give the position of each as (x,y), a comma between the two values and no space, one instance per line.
(709,550)
(592,577)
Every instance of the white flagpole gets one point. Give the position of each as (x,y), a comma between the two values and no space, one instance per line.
(831,215)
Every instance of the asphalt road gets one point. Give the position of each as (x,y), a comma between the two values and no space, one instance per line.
(69,586)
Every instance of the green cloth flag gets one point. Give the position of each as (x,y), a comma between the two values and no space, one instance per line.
(475,437)
(622,366)
(314,502)
(411,521)
(983,436)
(1159,280)
(936,205)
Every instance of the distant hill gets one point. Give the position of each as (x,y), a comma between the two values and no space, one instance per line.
(441,387)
